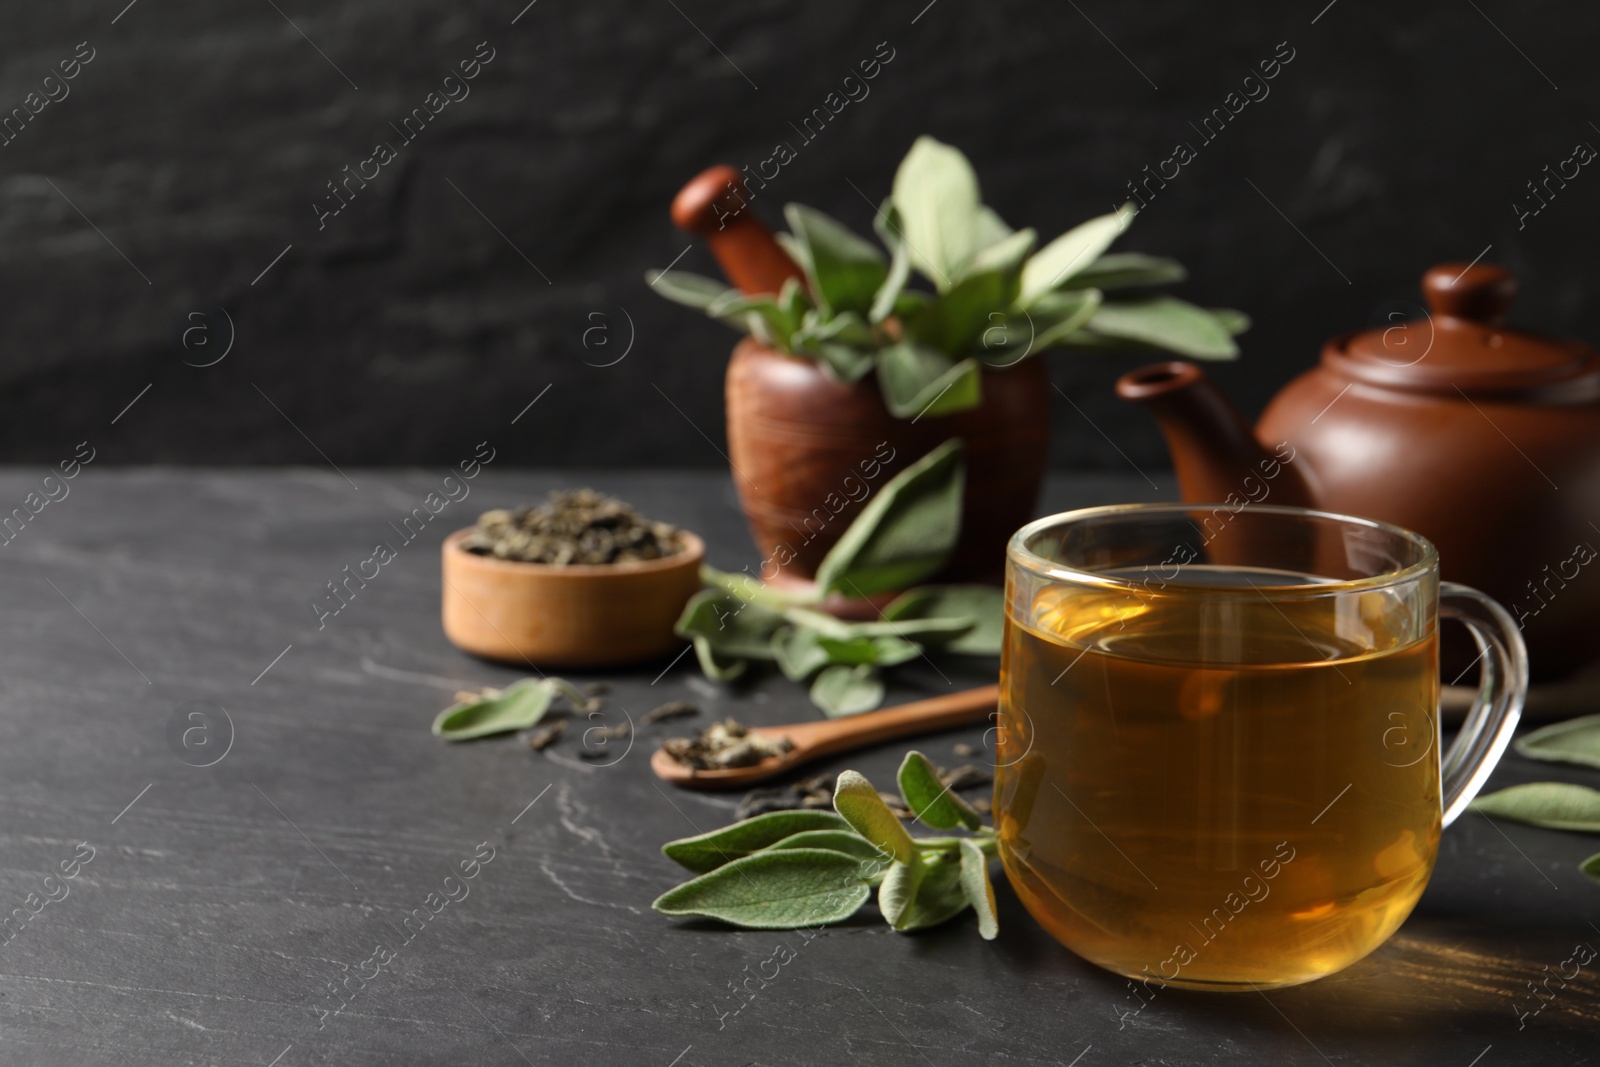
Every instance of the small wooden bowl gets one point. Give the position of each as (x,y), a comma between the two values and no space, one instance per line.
(582,615)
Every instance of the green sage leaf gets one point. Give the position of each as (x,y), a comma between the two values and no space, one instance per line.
(884,301)
(793,300)
(1006,255)
(751,589)
(1235,322)
(991,228)
(874,861)
(981,606)
(519,706)
(1168,323)
(732,626)
(717,666)
(939,897)
(844,270)
(899,889)
(862,807)
(1121,270)
(919,381)
(928,630)
(691,290)
(1060,315)
(841,690)
(726,631)
(977,889)
(936,196)
(779,890)
(1591,866)
(881,651)
(758,313)
(708,851)
(846,364)
(1557,805)
(905,533)
(1072,252)
(799,652)
(1573,741)
(964,312)
(929,799)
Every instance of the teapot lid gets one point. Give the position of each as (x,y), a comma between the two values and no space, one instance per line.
(1463,342)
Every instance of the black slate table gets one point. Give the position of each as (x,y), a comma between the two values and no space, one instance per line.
(216,910)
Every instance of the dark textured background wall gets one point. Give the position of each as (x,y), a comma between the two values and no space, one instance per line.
(461,282)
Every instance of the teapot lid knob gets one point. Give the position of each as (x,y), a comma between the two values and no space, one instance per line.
(1479,291)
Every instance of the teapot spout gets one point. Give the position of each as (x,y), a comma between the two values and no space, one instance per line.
(1214,451)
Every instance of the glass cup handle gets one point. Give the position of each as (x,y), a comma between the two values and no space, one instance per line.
(1502,687)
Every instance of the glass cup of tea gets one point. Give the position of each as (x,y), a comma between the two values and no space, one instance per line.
(1218,762)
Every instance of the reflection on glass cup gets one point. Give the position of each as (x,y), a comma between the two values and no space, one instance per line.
(1219,764)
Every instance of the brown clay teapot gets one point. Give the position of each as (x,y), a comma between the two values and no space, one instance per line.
(1483,438)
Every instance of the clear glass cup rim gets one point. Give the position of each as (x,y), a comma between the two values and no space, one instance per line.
(1019,555)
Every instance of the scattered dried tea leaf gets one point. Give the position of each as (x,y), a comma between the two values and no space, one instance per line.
(805,795)
(897,805)
(545,736)
(596,689)
(672,709)
(722,745)
(966,751)
(574,526)
(966,776)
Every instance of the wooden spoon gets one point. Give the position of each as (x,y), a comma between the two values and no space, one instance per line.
(818,738)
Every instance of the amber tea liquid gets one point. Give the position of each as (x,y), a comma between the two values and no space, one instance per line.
(1218,791)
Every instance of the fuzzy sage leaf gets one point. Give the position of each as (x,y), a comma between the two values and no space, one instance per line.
(841,690)
(691,290)
(938,897)
(1073,251)
(977,889)
(1164,322)
(930,800)
(874,861)
(899,890)
(983,605)
(1556,805)
(777,890)
(843,270)
(516,707)
(862,807)
(936,199)
(905,533)
(708,851)
(1573,741)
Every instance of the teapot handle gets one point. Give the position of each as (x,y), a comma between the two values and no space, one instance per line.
(1502,688)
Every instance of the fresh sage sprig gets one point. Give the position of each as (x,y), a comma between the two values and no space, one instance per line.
(1555,805)
(995,299)
(904,535)
(791,869)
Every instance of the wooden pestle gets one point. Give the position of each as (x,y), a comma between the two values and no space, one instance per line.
(716,206)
